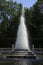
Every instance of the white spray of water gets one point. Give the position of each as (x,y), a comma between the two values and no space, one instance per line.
(22,37)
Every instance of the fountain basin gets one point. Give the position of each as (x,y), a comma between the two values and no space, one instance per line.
(22,55)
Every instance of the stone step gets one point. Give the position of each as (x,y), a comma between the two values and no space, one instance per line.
(25,57)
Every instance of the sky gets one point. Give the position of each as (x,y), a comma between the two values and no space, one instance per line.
(26,3)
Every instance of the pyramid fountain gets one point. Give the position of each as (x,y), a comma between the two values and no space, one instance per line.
(22,37)
(22,49)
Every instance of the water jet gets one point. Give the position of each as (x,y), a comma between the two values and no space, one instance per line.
(22,49)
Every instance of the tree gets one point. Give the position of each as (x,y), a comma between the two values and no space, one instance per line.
(36,20)
(11,13)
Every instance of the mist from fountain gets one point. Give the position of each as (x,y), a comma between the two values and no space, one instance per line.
(22,36)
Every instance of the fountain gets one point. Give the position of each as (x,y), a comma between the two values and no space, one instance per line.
(22,37)
(22,49)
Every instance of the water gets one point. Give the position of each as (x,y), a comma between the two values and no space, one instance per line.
(20,62)
(22,37)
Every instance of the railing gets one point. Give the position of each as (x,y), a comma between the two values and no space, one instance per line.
(8,50)
(5,50)
(38,50)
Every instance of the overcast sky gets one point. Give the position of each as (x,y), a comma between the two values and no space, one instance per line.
(26,3)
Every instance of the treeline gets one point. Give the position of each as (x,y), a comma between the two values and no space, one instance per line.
(10,13)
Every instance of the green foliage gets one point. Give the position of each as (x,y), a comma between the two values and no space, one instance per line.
(11,11)
(8,27)
(37,25)
(34,22)
(40,0)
